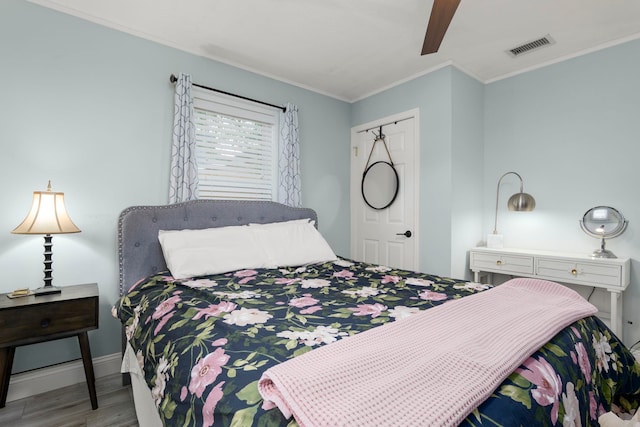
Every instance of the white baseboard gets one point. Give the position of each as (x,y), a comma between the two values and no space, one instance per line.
(53,377)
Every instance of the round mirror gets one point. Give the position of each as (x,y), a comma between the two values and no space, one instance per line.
(380,185)
(603,222)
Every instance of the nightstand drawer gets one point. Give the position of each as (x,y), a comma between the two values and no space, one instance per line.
(501,263)
(572,272)
(22,325)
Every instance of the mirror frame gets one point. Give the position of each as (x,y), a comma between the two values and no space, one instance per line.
(397,186)
(589,224)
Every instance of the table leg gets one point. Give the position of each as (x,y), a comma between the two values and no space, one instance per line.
(83,339)
(6,362)
(616,313)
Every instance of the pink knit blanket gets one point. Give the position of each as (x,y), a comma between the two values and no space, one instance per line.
(431,369)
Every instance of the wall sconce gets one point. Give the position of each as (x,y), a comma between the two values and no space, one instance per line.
(519,202)
(47,216)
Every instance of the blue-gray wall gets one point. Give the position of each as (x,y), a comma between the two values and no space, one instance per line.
(91,109)
(570,129)
(451,152)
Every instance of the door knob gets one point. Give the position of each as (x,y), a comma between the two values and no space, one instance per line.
(405,234)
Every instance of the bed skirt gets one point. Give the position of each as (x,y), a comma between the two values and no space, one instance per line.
(146,411)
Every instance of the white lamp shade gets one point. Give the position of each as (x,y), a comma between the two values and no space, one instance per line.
(48,215)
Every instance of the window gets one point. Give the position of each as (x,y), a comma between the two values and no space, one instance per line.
(236,147)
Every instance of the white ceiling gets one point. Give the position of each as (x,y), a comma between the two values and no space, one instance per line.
(350,49)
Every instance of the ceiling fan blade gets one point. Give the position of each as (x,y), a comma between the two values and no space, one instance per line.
(441,15)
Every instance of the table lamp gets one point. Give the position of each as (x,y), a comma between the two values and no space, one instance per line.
(520,202)
(47,216)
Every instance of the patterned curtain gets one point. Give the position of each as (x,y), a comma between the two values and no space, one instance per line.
(289,186)
(183,183)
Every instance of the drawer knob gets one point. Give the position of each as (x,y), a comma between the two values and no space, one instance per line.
(499,262)
(574,271)
(44,323)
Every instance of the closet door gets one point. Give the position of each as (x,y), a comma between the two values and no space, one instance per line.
(387,236)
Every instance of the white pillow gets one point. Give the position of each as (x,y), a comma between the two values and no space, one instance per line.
(292,243)
(190,253)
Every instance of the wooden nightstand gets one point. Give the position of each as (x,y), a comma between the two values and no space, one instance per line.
(30,320)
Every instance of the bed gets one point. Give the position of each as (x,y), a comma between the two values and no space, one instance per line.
(197,348)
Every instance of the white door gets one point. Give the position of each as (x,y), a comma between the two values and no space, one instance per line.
(387,236)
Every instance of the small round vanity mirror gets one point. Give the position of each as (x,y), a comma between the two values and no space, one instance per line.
(603,222)
(380,185)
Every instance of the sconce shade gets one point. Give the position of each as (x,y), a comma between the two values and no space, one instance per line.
(48,215)
(521,202)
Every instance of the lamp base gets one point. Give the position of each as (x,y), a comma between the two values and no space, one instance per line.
(46,290)
(495,241)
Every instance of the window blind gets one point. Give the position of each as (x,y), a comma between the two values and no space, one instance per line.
(236,152)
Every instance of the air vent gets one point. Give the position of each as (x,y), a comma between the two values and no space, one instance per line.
(532,45)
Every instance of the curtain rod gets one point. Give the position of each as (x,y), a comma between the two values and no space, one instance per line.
(174,79)
(395,122)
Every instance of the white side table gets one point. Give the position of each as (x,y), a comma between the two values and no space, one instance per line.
(611,274)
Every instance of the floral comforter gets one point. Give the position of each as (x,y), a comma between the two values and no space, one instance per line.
(203,343)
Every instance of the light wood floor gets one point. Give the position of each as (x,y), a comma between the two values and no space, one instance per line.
(70,407)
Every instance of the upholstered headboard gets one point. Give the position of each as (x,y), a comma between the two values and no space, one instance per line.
(139,251)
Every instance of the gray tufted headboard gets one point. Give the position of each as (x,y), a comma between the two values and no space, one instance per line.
(139,252)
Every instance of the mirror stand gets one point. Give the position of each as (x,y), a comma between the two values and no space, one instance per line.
(602,252)
(603,222)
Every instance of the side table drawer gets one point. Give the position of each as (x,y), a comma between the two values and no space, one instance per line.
(31,323)
(579,272)
(501,263)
